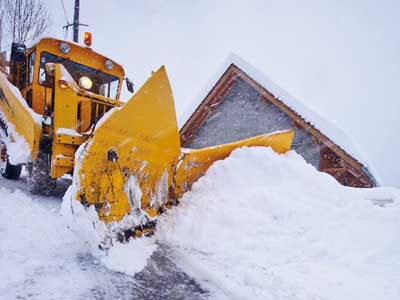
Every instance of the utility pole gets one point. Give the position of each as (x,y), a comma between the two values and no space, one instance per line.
(75,25)
(76,21)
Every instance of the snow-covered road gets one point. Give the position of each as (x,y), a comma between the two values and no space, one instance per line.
(41,259)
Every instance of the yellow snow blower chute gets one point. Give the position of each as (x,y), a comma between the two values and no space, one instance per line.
(125,157)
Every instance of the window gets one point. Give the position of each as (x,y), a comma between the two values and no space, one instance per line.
(103,84)
(31,66)
(109,89)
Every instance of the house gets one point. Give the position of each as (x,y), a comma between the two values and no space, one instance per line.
(241,102)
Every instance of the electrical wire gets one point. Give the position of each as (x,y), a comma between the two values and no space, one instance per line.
(66,18)
(65,12)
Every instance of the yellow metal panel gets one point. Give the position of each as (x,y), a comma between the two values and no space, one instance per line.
(63,161)
(65,116)
(16,112)
(139,139)
(68,139)
(195,162)
(84,122)
(38,98)
(65,103)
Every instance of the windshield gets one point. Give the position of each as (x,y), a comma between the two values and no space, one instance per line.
(103,84)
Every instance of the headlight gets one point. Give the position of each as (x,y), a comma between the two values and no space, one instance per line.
(109,64)
(85,83)
(64,48)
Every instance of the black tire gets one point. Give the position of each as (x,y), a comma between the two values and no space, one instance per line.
(38,175)
(10,171)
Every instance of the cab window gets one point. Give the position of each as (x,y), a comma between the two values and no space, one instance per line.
(31,67)
(102,83)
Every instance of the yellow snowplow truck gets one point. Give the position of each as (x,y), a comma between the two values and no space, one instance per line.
(60,114)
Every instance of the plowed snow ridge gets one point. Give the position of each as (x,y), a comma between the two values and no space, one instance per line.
(260,225)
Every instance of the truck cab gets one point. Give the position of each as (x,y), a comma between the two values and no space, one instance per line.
(96,73)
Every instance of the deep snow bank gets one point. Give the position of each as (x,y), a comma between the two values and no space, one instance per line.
(264,226)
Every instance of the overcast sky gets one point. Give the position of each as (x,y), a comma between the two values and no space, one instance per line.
(340,58)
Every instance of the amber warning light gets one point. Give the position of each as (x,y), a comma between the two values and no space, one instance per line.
(87,39)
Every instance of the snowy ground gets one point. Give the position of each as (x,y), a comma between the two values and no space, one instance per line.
(257,226)
(41,259)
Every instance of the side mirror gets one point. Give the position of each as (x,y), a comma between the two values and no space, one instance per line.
(129,85)
(18,52)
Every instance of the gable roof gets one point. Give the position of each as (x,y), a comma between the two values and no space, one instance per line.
(330,134)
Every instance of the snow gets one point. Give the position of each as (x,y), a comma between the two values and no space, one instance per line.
(43,257)
(18,149)
(66,76)
(260,225)
(327,127)
(136,215)
(68,131)
(36,117)
(130,258)
(37,253)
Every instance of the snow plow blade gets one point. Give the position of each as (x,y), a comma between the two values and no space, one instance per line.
(128,163)
(18,122)
(195,162)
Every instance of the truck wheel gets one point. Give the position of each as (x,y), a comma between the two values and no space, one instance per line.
(38,177)
(8,170)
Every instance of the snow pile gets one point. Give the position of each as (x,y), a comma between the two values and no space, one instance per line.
(260,225)
(130,258)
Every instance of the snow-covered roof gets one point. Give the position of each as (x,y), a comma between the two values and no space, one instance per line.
(325,126)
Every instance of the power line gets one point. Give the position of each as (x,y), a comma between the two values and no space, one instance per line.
(66,18)
(65,12)
(75,24)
